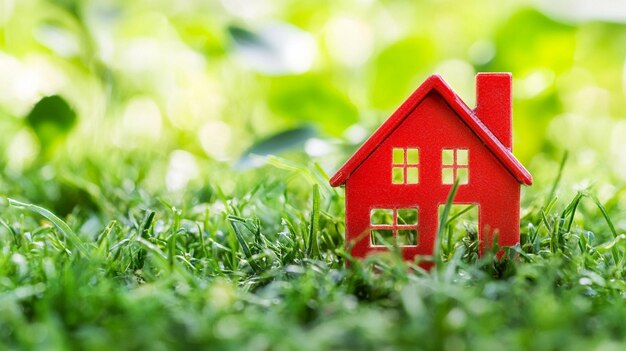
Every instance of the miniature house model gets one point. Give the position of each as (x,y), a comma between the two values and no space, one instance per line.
(399,178)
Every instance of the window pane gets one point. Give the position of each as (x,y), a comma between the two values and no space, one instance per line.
(407,216)
(412,156)
(463,174)
(462,222)
(412,176)
(398,156)
(382,237)
(462,157)
(397,175)
(447,176)
(407,237)
(381,216)
(447,157)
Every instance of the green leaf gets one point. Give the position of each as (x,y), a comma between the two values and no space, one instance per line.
(71,6)
(313,99)
(290,139)
(52,118)
(245,37)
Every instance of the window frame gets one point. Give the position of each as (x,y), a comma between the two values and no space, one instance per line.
(407,167)
(395,227)
(454,167)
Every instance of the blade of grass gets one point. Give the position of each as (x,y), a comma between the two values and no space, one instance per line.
(606,216)
(442,223)
(609,222)
(234,221)
(557,180)
(146,223)
(570,210)
(312,247)
(144,231)
(62,227)
(104,235)
(16,237)
(463,211)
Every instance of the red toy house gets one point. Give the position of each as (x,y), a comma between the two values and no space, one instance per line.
(397,181)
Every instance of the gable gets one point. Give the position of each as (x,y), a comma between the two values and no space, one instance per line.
(427,131)
(434,84)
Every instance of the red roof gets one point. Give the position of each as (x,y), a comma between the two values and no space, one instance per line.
(467,115)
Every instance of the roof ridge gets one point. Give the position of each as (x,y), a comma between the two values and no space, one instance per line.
(468,116)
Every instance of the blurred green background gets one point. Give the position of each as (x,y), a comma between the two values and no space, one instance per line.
(194,84)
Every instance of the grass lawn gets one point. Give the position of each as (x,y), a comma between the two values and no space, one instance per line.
(264,268)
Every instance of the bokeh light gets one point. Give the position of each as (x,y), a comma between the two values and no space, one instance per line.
(215,80)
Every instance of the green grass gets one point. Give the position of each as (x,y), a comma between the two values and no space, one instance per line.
(138,218)
(262,267)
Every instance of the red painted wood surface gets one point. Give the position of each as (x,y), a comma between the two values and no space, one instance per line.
(432,119)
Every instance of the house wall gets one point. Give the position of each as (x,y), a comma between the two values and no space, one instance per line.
(430,127)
